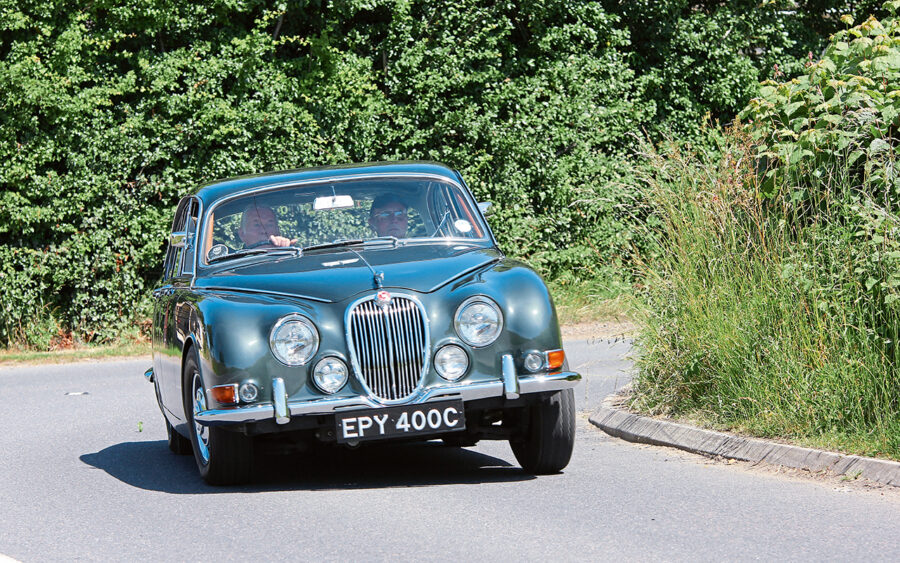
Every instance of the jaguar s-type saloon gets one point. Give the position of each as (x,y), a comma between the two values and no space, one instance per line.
(352,305)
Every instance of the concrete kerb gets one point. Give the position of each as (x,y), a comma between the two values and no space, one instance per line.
(634,428)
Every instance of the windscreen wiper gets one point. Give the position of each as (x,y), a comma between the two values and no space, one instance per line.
(251,251)
(335,244)
(353,242)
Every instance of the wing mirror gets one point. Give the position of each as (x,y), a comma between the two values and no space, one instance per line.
(178,239)
(485,207)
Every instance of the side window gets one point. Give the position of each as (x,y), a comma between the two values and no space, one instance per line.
(174,254)
(190,248)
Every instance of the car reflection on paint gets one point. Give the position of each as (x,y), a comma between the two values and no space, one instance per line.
(349,305)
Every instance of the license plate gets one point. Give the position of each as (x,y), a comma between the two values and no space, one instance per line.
(395,422)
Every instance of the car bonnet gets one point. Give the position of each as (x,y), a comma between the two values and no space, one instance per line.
(334,276)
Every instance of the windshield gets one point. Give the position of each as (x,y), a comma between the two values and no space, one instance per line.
(405,209)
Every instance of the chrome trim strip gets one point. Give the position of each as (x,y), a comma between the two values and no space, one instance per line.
(196,233)
(148,374)
(510,379)
(548,382)
(330,405)
(213,288)
(279,397)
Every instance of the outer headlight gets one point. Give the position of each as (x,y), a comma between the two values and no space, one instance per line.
(293,340)
(330,374)
(451,362)
(478,321)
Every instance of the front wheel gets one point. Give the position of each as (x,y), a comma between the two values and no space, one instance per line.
(223,457)
(546,445)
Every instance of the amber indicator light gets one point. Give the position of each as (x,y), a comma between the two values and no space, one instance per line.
(225,394)
(555,359)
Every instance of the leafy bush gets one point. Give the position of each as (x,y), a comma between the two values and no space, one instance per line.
(700,61)
(844,108)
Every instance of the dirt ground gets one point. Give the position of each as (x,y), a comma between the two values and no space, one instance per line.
(598,330)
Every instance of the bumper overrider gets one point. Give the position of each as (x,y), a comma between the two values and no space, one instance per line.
(281,409)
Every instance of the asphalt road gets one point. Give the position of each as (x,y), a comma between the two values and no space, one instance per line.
(85,474)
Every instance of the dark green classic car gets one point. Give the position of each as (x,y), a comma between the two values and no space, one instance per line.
(351,304)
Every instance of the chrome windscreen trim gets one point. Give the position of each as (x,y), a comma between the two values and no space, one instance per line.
(337,178)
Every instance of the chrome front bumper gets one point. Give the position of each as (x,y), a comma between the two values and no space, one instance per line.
(281,409)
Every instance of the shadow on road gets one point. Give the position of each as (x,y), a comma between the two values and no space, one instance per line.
(151,466)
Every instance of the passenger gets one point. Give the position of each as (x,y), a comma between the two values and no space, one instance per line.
(389,217)
(259,227)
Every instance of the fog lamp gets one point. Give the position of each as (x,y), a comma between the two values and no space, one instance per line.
(451,362)
(534,361)
(330,374)
(248,392)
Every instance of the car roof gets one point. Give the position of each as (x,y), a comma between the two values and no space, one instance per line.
(218,189)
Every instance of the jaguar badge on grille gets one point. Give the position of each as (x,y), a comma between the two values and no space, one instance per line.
(383,298)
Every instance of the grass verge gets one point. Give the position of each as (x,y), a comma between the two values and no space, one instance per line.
(766,316)
(580,302)
(128,349)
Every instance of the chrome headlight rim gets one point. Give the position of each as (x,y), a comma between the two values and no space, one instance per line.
(315,370)
(303,319)
(484,299)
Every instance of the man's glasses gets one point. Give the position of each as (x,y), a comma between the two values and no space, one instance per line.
(385,215)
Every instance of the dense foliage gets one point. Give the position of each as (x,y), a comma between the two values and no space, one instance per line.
(109,111)
(775,304)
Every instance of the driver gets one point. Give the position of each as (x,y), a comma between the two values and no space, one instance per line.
(388,216)
(260,228)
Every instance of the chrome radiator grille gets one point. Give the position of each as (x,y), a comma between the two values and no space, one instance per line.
(388,345)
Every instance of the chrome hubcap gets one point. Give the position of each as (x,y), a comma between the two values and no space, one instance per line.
(200,431)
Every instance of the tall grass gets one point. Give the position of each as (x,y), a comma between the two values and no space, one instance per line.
(778,315)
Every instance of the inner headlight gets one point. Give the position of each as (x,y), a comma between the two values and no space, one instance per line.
(478,321)
(330,374)
(293,340)
(451,362)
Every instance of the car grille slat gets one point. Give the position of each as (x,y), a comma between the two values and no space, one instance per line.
(402,321)
(408,371)
(387,345)
(414,357)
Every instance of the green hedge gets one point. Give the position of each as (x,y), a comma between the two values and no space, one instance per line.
(110,111)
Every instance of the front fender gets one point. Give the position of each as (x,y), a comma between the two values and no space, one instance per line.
(235,331)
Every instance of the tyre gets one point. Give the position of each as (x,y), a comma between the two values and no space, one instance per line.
(223,457)
(549,437)
(178,443)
